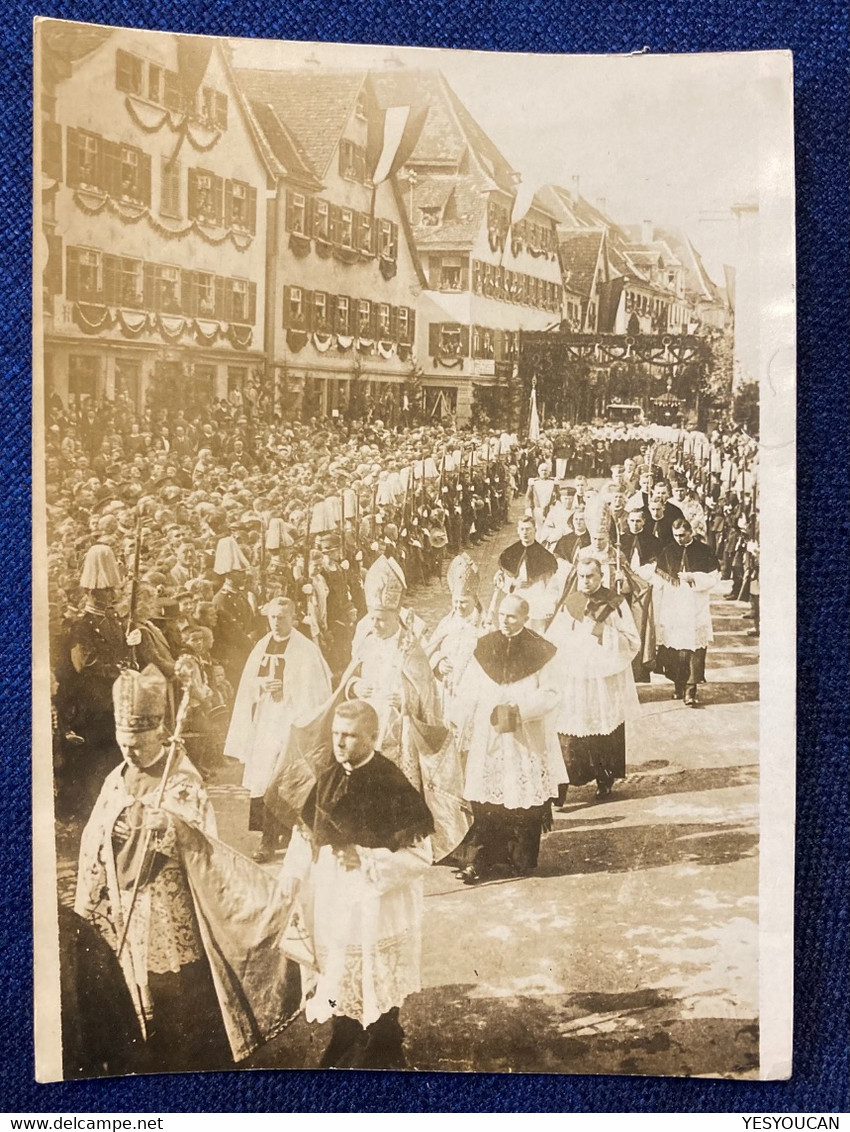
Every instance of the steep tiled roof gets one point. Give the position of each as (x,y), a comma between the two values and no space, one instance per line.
(579,254)
(441,141)
(465,205)
(288,154)
(64,44)
(450,131)
(315,107)
(484,148)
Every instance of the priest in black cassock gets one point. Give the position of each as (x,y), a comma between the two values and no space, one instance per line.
(686,573)
(356,863)
(528,570)
(505,715)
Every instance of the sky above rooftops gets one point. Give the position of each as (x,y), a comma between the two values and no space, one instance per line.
(670,138)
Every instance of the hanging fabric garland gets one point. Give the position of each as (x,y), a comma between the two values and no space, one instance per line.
(449,362)
(91,318)
(133,323)
(202,146)
(296,340)
(139,113)
(206,332)
(388,267)
(365,345)
(346,255)
(323,342)
(92,203)
(344,342)
(89,201)
(324,249)
(299,244)
(240,336)
(386,349)
(171,327)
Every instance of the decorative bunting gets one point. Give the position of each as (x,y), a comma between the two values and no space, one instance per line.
(299,244)
(93,203)
(388,267)
(150,120)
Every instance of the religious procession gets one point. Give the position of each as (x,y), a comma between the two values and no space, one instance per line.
(403,650)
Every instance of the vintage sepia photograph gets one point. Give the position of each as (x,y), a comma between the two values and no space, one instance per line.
(413,449)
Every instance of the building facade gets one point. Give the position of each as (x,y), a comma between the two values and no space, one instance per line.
(489,275)
(344,278)
(154,219)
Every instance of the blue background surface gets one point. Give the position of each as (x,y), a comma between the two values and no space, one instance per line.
(817,33)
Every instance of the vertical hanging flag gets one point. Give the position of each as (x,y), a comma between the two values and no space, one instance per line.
(193,57)
(392,137)
(533,416)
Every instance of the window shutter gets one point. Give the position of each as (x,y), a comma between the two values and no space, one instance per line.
(221,298)
(145,178)
(464,276)
(373,321)
(169,204)
(290,210)
(51,150)
(287,297)
(193,194)
(307,306)
(335,214)
(394,230)
(171,93)
(252,303)
(498,345)
(149,286)
(53,270)
(73,148)
(394,324)
(464,341)
(110,172)
(218,197)
(189,292)
(330,300)
(411,325)
(338,324)
(252,210)
(111,279)
(436,272)
(434,339)
(72,274)
(228,204)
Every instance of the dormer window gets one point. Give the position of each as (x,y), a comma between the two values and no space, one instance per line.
(430,217)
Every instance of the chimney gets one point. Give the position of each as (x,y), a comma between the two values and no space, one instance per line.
(574,190)
(646,232)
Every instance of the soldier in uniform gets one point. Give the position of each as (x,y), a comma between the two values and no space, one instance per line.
(340,608)
(93,653)
(235,615)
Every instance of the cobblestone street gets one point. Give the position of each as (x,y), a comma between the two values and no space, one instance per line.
(633,949)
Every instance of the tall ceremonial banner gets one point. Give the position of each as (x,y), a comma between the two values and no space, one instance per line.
(358,370)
